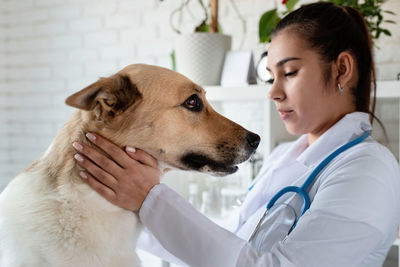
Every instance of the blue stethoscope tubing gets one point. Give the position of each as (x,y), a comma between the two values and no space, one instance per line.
(303,190)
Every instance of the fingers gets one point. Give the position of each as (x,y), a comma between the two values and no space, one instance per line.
(100,188)
(143,157)
(96,171)
(98,158)
(118,155)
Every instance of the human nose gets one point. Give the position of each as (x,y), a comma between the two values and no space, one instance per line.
(276,93)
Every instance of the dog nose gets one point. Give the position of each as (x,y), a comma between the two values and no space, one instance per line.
(253,140)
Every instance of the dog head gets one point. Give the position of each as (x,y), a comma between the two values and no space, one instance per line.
(166,115)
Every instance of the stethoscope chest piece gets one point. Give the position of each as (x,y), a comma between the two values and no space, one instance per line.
(275,224)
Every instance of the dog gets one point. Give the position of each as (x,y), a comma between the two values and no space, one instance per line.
(49,217)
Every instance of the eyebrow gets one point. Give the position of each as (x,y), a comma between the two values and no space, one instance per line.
(283,61)
(198,90)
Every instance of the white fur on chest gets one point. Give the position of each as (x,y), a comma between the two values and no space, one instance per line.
(70,225)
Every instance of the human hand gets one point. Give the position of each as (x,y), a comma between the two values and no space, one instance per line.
(125,179)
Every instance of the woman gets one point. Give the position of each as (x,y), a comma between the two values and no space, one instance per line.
(321,62)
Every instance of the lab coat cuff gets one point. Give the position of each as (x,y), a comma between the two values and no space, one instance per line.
(213,246)
(150,200)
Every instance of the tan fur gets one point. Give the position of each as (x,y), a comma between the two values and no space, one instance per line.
(140,106)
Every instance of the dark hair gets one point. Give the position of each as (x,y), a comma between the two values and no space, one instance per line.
(332,29)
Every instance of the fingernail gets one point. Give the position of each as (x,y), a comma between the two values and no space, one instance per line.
(83,175)
(91,137)
(130,149)
(78,157)
(77,146)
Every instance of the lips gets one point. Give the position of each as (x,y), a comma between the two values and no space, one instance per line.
(285,113)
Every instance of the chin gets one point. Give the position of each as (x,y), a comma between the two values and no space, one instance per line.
(293,129)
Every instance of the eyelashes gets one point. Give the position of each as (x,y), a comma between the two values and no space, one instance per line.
(289,74)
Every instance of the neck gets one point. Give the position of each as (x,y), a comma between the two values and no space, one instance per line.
(58,162)
(313,136)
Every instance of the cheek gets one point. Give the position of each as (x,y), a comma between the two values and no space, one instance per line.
(300,96)
(306,93)
(308,108)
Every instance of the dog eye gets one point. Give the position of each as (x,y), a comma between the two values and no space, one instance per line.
(193,103)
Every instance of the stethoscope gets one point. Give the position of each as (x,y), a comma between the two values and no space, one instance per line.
(303,190)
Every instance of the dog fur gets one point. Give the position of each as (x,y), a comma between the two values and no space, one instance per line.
(49,217)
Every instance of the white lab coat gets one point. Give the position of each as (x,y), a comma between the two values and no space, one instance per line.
(352,220)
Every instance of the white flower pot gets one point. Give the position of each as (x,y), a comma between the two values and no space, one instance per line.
(200,56)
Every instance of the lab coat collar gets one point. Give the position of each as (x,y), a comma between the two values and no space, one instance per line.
(291,153)
(346,129)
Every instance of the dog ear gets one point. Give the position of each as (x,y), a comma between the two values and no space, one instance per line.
(107,98)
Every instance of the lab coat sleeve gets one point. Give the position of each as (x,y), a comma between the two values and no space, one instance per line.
(337,230)
(320,240)
(185,232)
(149,243)
(193,238)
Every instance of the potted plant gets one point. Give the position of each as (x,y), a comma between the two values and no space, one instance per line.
(371,11)
(200,55)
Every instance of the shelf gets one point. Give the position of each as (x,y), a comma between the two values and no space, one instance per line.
(388,89)
(250,92)
(385,89)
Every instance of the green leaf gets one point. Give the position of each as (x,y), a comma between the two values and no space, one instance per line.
(173,60)
(220,28)
(389,12)
(290,4)
(202,28)
(387,32)
(267,24)
(378,33)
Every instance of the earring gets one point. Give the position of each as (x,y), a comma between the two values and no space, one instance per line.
(340,88)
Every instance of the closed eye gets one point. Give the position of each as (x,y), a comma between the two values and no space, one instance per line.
(193,103)
(291,73)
